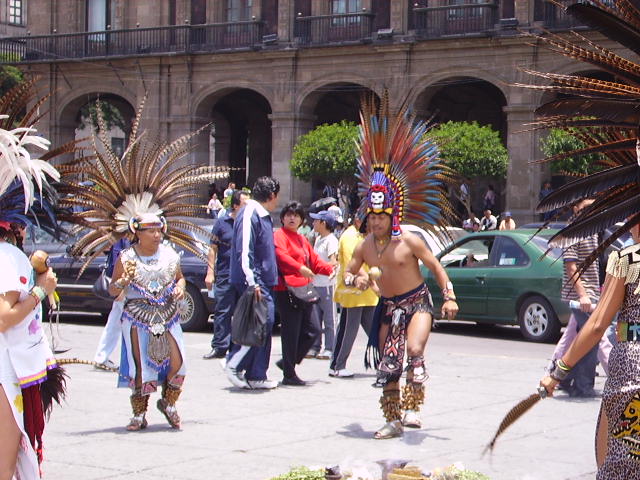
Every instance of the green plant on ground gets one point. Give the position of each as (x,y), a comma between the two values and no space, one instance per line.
(301,473)
(454,473)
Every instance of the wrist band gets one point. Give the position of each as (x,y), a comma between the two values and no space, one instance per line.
(559,371)
(448,297)
(118,284)
(38,293)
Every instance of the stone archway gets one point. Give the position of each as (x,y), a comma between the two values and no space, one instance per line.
(240,135)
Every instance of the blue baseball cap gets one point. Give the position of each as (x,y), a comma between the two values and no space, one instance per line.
(325,216)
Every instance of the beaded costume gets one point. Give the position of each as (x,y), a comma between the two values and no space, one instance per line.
(400,174)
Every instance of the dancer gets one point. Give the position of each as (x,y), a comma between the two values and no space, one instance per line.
(404,185)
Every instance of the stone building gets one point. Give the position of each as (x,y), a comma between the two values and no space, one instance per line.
(263,72)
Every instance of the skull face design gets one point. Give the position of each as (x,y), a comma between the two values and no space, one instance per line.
(377,200)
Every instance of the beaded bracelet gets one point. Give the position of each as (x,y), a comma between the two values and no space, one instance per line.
(38,293)
(560,370)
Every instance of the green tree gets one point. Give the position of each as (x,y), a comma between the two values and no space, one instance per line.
(112,116)
(9,78)
(327,153)
(471,149)
(560,141)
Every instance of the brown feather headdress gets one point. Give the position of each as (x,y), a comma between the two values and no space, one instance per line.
(604,115)
(149,178)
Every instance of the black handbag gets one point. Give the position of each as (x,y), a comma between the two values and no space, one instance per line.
(249,321)
(101,287)
(306,293)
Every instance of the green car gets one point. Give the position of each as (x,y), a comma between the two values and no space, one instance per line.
(502,277)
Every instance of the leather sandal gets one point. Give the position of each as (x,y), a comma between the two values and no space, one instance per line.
(137,423)
(411,419)
(389,430)
(170,413)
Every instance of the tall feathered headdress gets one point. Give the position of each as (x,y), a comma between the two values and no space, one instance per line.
(399,169)
(150,180)
(25,193)
(605,115)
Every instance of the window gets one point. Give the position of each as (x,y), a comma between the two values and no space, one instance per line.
(345,6)
(117,145)
(472,253)
(510,254)
(97,15)
(239,10)
(16,12)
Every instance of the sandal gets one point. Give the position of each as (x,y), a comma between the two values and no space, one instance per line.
(137,423)
(411,419)
(389,430)
(170,413)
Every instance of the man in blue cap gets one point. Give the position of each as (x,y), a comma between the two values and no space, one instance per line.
(507,223)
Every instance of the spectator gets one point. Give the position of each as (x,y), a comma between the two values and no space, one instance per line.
(507,223)
(214,205)
(337,213)
(489,198)
(488,222)
(229,190)
(471,224)
(545,190)
(112,331)
(463,198)
(253,265)
(357,306)
(218,271)
(297,265)
(326,246)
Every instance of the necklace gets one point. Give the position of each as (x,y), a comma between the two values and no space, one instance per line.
(377,242)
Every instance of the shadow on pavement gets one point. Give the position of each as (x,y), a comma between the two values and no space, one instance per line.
(470,329)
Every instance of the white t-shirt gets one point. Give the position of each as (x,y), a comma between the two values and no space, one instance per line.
(325,247)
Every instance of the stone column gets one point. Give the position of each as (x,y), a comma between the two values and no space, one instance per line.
(285,129)
(399,12)
(524,11)
(286,19)
(523,177)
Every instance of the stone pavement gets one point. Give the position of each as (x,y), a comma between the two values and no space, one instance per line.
(254,435)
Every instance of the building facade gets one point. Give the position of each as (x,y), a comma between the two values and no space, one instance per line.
(259,73)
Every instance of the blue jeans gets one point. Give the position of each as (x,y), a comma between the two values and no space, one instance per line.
(254,361)
(581,379)
(226,298)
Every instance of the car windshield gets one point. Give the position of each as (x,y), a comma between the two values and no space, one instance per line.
(543,245)
(471,253)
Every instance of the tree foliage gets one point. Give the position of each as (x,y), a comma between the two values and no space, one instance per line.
(9,78)
(112,116)
(560,141)
(471,149)
(326,153)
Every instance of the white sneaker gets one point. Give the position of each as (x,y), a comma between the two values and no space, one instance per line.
(344,373)
(236,378)
(262,384)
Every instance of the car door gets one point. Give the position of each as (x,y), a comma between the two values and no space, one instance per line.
(468,265)
(505,281)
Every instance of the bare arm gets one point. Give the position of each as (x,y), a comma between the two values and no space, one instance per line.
(420,250)
(355,275)
(119,279)
(13,311)
(594,329)
(181,284)
(212,256)
(571,269)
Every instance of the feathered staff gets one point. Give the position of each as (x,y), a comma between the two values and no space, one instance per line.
(605,115)
(150,177)
(397,160)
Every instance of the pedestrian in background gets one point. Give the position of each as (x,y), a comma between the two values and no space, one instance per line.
(489,198)
(112,330)
(488,221)
(297,266)
(357,306)
(217,277)
(214,205)
(506,222)
(253,265)
(326,246)
(545,190)
(471,224)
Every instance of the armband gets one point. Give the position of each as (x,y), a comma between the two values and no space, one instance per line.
(38,293)
(559,371)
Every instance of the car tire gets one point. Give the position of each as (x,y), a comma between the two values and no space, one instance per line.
(538,321)
(195,314)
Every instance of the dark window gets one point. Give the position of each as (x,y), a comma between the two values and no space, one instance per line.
(510,254)
(198,12)
(345,6)
(16,12)
(117,145)
(239,10)
(97,15)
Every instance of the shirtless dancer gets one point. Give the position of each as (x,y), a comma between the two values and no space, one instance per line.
(400,177)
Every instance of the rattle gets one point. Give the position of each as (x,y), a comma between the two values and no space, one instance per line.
(375,273)
(40,263)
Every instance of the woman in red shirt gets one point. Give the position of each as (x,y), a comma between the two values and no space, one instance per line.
(297,264)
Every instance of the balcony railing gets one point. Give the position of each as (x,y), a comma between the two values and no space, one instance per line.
(138,41)
(455,20)
(326,29)
(555,17)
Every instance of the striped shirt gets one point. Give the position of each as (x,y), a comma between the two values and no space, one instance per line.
(590,279)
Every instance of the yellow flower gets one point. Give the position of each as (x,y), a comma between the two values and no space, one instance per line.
(18,403)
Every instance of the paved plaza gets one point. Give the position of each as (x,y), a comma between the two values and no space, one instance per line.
(476,377)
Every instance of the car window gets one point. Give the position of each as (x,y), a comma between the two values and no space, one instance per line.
(543,244)
(472,253)
(510,254)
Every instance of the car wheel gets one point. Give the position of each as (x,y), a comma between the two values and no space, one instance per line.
(538,321)
(194,314)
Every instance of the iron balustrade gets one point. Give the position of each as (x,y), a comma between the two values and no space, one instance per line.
(327,29)
(455,20)
(131,42)
(555,17)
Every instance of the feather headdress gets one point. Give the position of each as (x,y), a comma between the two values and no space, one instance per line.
(150,178)
(25,193)
(604,115)
(399,169)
